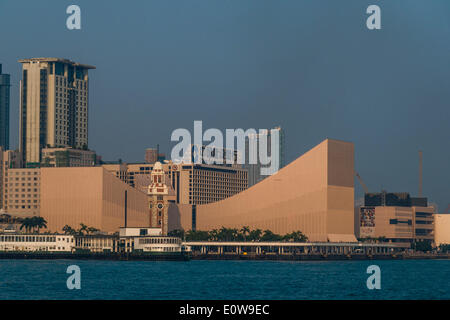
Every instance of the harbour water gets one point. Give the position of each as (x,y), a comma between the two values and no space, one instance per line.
(400,279)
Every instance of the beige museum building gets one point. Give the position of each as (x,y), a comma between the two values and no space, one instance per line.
(314,194)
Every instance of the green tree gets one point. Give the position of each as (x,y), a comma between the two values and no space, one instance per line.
(214,235)
(295,236)
(245,231)
(69,230)
(91,230)
(227,234)
(423,246)
(39,222)
(197,235)
(270,236)
(255,235)
(83,229)
(27,224)
(176,233)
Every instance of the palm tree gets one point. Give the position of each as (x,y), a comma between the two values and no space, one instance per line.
(295,236)
(214,235)
(227,234)
(176,233)
(245,230)
(270,236)
(69,230)
(28,224)
(255,235)
(39,222)
(234,233)
(197,235)
(91,230)
(83,228)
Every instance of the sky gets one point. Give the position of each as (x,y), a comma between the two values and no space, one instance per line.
(311,67)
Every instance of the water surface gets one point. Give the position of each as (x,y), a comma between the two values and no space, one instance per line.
(400,279)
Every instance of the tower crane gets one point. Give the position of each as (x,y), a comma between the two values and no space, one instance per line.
(362,182)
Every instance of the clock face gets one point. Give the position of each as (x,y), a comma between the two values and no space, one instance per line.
(160,205)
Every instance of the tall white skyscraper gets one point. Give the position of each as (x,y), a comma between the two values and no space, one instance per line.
(53,106)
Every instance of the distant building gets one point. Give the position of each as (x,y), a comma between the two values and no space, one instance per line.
(211,155)
(68,157)
(21,195)
(192,183)
(53,106)
(12,159)
(397,217)
(151,155)
(9,159)
(4,109)
(254,170)
(161,157)
(442,229)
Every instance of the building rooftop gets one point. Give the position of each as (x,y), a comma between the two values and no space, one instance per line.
(86,66)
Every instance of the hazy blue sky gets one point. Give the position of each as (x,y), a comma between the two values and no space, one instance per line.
(310,66)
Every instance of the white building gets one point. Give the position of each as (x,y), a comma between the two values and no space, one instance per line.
(136,232)
(36,242)
(157,244)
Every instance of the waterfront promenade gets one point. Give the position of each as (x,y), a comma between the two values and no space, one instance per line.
(210,250)
(280,248)
(294,251)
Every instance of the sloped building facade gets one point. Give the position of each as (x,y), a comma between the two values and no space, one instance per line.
(313,194)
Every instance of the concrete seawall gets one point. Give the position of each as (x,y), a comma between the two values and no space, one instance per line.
(95,256)
(317,257)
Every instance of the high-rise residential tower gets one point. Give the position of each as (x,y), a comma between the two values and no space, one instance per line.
(254,170)
(4,109)
(53,106)
(151,155)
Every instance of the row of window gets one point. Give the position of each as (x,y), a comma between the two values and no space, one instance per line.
(18,190)
(165,249)
(23,173)
(159,241)
(63,82)
(396,221)
(22,238)
(20,207)
(22,179)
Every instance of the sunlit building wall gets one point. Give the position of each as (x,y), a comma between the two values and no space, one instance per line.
(442,229)
(313,194)
(90,195)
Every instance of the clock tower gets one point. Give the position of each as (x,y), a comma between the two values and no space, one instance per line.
(160,194)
